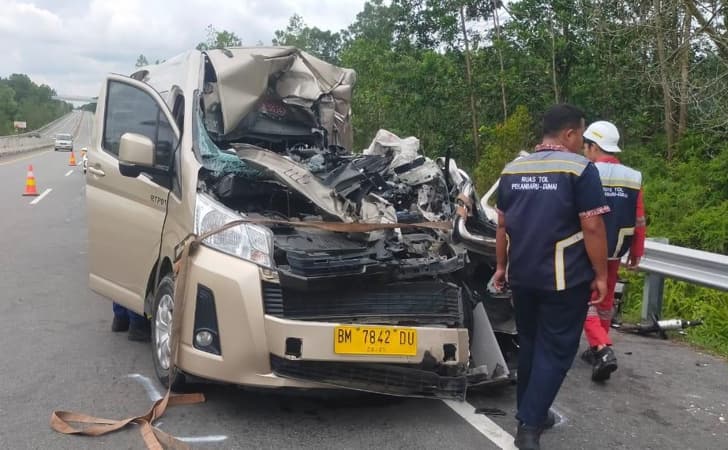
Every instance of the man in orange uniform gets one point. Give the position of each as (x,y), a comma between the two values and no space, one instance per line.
(625,233)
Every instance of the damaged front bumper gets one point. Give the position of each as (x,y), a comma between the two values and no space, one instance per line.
(295,348)
(386,379)
(306,351)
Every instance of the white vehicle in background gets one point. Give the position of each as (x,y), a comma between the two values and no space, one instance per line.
(63,141)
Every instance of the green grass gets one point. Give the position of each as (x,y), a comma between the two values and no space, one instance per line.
(690,302)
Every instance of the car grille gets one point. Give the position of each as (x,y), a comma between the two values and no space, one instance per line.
(422,302)
(380,378)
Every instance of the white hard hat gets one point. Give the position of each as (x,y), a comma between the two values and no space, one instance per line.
(605,135)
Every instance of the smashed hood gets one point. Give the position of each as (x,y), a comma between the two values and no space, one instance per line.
(245,77)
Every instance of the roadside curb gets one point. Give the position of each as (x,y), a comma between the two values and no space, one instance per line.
(24,150)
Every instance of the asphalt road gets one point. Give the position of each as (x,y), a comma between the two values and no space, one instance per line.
(58,353)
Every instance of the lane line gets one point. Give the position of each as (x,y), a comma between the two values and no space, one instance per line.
(483,424)
(40,197)
(154,395)
(68,173)
(201,439)
(25,157)
(152,391)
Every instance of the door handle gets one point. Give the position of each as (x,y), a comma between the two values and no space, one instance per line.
(97,172)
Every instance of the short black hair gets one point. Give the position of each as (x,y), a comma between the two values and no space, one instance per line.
(560,117)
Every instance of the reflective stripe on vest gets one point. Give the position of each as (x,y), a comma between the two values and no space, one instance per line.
(622,185)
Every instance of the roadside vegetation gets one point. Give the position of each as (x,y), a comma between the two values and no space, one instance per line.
(473,76)
(23,100)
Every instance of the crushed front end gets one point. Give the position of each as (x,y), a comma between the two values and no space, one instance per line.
(396,309)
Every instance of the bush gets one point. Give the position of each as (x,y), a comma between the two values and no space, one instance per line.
(501,145)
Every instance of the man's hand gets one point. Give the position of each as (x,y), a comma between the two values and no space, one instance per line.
(633,261)
(599,286)
(499,279)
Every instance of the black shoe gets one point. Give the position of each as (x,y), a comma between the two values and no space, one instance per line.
(120,323)
(604,364)
(527,437)
(588,356)
(140,332)
(550,421)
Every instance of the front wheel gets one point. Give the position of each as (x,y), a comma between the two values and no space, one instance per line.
(162,312)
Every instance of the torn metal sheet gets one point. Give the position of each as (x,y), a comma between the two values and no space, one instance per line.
(243,76)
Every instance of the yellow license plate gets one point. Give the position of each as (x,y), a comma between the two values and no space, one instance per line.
(366,340)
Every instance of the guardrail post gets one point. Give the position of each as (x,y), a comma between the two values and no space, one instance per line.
(653,290)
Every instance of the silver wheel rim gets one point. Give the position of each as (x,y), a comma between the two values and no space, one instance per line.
(163,330)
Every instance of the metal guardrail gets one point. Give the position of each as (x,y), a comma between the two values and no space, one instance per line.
(662,260)
(681,263)
(40,130)
(34,140)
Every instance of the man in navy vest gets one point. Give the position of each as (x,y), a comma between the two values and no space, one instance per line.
(551,248)
(625,233)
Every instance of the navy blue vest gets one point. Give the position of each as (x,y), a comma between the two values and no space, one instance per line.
(621,188)
(542,197)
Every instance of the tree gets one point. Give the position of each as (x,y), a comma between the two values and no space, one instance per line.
(219,39)
(8,106)
(22,99)
(141,61)
(324,44)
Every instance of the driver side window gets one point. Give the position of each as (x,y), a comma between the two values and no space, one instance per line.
(131,110)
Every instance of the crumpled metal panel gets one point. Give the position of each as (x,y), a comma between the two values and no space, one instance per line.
(373,209)
(243,76)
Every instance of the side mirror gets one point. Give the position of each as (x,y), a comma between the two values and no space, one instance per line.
(136,150)
(137,155)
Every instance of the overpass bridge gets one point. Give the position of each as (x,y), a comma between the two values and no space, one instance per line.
(75,98)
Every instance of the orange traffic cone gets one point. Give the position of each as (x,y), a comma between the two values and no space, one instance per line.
(72,159)
(30,189)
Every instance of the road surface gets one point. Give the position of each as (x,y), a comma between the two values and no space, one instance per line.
(58,353)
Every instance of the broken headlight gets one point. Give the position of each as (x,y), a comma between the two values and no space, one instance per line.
(251,242)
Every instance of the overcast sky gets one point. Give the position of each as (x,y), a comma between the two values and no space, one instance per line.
(71,44)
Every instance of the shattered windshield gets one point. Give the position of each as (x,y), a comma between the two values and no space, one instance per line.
(216,160)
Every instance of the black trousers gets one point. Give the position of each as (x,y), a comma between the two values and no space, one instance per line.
(549,327)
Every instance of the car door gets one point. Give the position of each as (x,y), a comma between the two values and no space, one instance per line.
(126,215)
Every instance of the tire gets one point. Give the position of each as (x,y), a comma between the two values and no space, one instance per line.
(161,327)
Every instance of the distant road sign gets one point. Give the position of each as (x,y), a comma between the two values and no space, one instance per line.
(19,125)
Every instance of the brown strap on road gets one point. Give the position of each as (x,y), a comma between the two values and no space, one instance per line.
(339,227)
(154,438)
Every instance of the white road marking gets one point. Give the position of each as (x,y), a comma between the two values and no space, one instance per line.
(69,173)
(40,197)
(561,418)
(213,438)
(151,389)
(483,424)
(154,395)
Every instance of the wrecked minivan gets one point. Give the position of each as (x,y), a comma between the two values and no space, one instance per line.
(287,299)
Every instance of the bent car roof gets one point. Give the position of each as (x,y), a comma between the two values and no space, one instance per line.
(244,74)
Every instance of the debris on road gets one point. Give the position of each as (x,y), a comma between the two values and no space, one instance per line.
(660,326)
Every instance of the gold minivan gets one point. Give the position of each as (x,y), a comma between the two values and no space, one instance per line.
(264,133)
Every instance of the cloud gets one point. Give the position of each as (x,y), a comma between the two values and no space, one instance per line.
(71,45)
